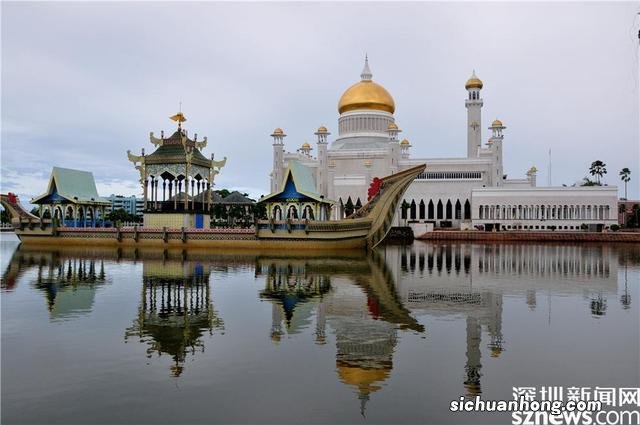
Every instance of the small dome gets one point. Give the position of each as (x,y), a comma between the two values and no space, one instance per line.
(496,123)
(405,142)
(278,132)
(322,130)
(473,82)
(392,126)
(306,146)
(533,170)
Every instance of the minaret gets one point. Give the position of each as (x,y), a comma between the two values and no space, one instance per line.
(278,158)
(473,366)
(323,175)
(474,107)
(394,147)
(404,148)
(495,142)
(531,175)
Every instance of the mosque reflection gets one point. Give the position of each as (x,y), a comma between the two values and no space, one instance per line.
(362,303)
(355,297)
(367,302)
(175,309)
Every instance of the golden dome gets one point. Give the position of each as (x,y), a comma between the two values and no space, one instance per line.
(366,95)
(322,129)
(496,123)
(367,380)
(405,142)
(392,126)
(278,132)
(473,82)
(306,145)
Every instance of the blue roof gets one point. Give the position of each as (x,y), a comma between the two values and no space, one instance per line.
(298,183)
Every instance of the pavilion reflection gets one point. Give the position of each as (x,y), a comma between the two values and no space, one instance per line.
(69,282)
(355,298)
(175,309)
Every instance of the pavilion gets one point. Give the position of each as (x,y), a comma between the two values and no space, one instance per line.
(173,176)
(297,198)
(72,199)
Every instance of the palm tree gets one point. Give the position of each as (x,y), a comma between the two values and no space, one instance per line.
(598,169)
(624,176)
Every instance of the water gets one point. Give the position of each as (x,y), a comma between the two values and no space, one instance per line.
(119,336)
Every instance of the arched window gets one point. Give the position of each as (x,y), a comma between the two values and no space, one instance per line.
(430,214)
(277,213)
(413,210)
(467,210)
(348,207)
(449,210)
(292,212)
(421,210)
(439,212)
(458,214)
(307,213)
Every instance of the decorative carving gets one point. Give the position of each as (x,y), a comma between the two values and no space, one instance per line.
(156,142)
(219,164)
(140,168)
(135,158)
(202,145)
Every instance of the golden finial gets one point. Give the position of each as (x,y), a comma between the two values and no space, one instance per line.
(179,117)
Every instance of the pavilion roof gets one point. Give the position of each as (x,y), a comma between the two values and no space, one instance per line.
(172,148)
(302,179)
(234,197)
(76,186)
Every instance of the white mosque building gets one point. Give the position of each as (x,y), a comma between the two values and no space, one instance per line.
(453,192)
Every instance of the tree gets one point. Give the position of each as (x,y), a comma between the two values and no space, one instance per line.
(260,211)
(587,182)
(625,177)
(598,169)
(120,215)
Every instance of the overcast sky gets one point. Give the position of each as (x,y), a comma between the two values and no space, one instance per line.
(84,82)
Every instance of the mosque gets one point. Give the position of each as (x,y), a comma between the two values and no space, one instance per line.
(468,192)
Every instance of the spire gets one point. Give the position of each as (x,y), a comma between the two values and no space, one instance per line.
(366,72)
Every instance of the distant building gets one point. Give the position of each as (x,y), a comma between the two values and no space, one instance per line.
(130,204)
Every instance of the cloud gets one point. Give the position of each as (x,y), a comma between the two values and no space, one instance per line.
(84,82)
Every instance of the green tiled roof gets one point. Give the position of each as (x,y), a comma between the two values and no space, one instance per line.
(303,180)
(76,185)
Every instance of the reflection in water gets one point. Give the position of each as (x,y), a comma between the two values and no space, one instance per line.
(68,282)
(365,318)
(469,279)
(291,287)
(367,305)
(175,309)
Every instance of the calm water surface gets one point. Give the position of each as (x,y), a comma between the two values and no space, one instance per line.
(124,336)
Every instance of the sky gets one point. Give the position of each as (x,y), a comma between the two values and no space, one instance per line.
(83,82)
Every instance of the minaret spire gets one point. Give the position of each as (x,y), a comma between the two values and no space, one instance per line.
(366,72)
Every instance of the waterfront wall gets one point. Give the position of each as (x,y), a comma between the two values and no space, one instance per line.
(176,238)
(532,236)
